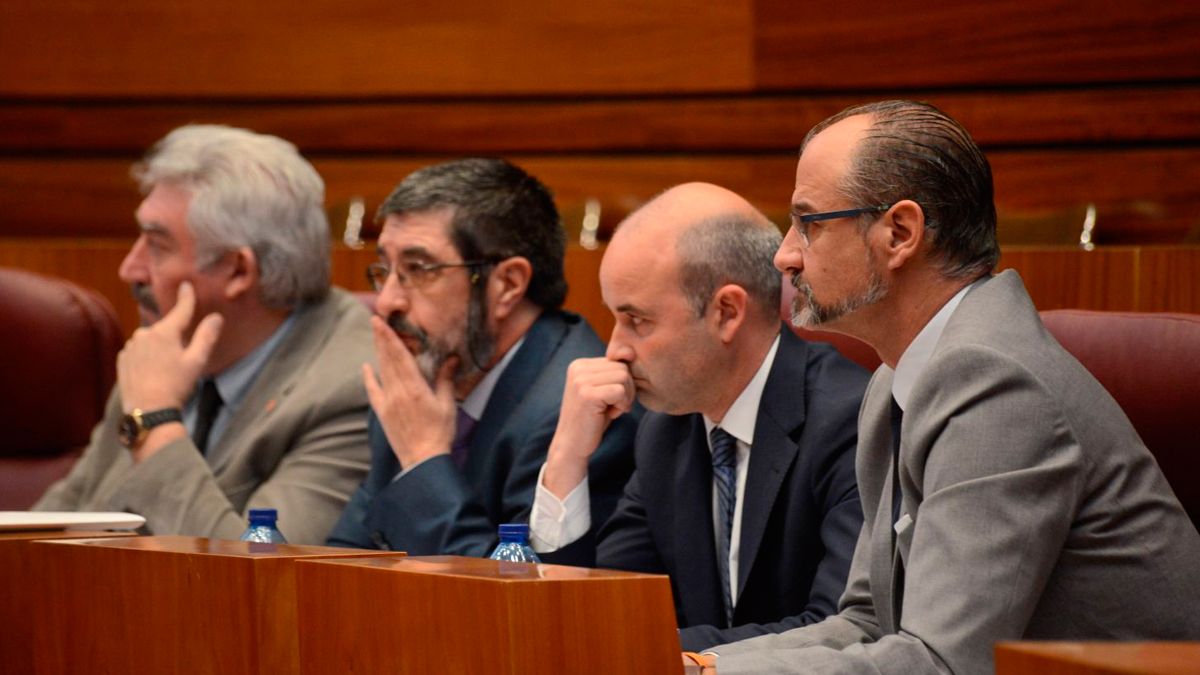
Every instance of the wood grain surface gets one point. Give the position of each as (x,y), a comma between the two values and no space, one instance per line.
(167,605)
(447,614)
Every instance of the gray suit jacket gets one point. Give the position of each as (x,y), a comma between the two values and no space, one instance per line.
(1037,513)
(297,443)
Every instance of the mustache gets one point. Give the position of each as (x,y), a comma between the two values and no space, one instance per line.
(404,328)
(144,297)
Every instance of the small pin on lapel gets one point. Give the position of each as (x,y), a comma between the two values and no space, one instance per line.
(270,406)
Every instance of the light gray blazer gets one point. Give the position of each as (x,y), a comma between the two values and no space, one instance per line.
(297,443)
(1037,513)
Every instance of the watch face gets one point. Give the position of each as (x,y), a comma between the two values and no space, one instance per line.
(128,431)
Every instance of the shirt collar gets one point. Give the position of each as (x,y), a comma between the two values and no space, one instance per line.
(476,401)
(741,416)
(912,362)
(233,382)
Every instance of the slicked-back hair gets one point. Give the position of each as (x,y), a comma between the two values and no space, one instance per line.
(251,190)
(730,249)
(498,211)
(915,151)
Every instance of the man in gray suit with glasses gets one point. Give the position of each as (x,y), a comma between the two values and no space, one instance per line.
(1005,494)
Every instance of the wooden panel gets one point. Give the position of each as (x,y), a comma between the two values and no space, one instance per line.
(445,614)
(858,44)
(18,596)
(1169,280)
(1070,278)
(1142,196)
(370,48)
(995,118)
(1097,658)
(168,605)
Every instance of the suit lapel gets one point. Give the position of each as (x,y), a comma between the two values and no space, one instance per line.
(695,544)
(781,413)
(541,341)
(278,376)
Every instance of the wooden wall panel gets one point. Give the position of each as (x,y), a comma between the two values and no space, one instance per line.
(1169,280)
(1132,114)
(860,44)
(1070,278)
(327,48)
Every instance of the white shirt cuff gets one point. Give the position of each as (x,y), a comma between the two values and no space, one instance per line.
(554,523)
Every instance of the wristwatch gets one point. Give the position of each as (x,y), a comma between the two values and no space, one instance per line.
(136,424)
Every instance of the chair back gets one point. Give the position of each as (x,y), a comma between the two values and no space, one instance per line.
(60,343)
(1150,363)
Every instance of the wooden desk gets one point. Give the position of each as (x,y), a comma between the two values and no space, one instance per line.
(17,596)
(1096,658)
(445,614)
(161,605)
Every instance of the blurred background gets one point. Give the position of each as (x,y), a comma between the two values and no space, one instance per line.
(1088,111)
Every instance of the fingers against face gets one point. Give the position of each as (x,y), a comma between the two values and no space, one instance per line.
(397,366)
(180,316)
(604,382)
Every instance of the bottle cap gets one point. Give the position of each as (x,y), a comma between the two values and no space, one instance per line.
(264,516)
(513,530)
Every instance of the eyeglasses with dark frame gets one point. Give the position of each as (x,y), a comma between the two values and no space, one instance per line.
(416,274)
(801,222)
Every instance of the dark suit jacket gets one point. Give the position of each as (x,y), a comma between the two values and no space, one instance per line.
(801,514)
(437,508)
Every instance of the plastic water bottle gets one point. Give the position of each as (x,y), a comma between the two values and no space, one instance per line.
(514,544)
(262,527)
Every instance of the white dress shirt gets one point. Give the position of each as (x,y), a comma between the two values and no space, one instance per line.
(912,362)
(554,523)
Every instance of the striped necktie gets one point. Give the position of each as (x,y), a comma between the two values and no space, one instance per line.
(724,458)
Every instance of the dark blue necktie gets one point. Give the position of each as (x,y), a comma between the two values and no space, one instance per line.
(724,459)
(464,428)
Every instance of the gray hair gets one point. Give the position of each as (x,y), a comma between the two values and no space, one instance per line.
(730,249)
(251,190)
(915,151)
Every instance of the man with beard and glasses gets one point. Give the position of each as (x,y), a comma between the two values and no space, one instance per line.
(473,349)
(238,392)
(744,491)
(1006,496)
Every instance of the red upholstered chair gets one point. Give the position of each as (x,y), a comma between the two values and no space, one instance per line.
(59,344)
(1150,363)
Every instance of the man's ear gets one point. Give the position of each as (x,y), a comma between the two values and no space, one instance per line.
(727,310)
(507,284)
(905,233)
(242,272)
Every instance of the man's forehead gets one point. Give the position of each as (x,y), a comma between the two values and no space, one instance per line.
(421,233)
(825,161)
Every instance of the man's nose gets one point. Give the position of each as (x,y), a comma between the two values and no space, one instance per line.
(392,298)
(790,256)
(133,266)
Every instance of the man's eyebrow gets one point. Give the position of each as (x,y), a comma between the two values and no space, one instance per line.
(628,308)
(801,207)
(410,252)
(154,228)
